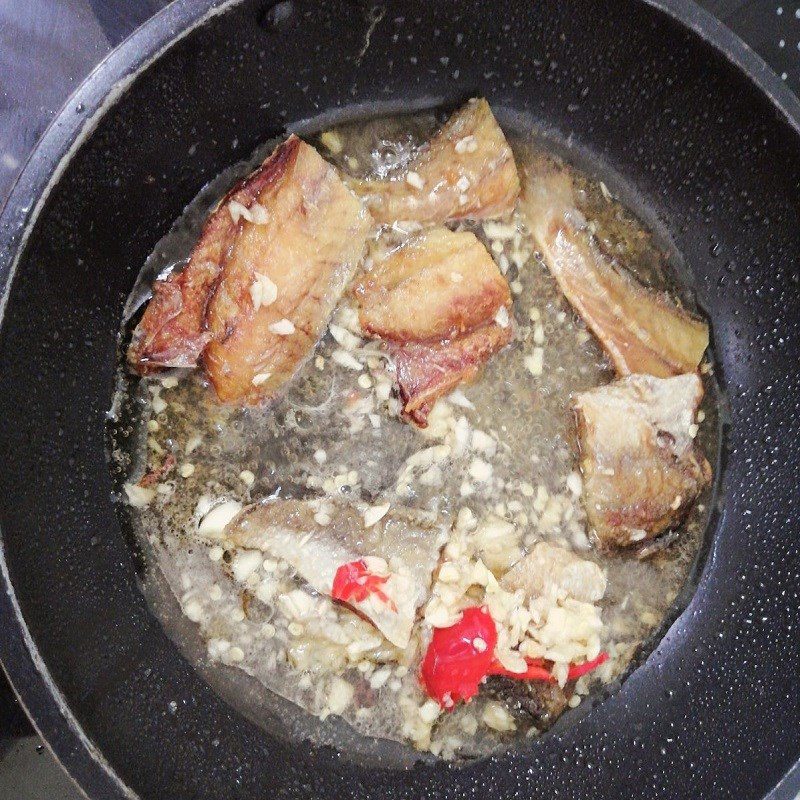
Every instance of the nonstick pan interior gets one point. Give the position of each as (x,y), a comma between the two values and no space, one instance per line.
(714,710)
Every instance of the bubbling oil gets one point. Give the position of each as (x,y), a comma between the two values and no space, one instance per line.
(331,433)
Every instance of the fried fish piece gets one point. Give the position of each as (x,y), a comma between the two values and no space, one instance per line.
(640,330)
(283,276)
(441,305)
(383,570)
(641,468)
(426,371)
(556,572)
(466,171)
(171,333)
(436,285)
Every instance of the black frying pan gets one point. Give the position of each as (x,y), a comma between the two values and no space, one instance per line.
(660,94)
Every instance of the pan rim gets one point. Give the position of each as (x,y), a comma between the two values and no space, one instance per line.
(95,96)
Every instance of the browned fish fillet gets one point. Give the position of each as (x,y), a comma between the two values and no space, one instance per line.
(288,530)
(642,331)
(436,285)
(641,469)
(171,332)
(434,300)
(282,277)
(466,171)
(426,371)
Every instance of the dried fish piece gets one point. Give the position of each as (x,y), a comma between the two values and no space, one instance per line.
(554,571)
(641,469)
(434,300)
(641,331)
(171,332)
(426,371)
(435,285)
(466,171)
(392,560)
(307,249)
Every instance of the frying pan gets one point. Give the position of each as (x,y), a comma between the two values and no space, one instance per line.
(661,97)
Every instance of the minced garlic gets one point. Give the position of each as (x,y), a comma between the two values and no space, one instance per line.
(496,717)
(283,327)
(415,180)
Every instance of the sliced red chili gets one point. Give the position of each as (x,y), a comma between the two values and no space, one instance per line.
(458,658)
(576,670)
(536,671)
(354,582)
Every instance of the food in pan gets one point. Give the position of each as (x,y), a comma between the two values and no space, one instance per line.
(642,332)
(421,433)
(441,304)
(641,469)
(272,263)
(466,171)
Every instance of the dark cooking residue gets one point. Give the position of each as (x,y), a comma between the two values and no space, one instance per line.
(493,479)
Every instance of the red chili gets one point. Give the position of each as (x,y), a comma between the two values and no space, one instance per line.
(576,670)
(454,666)
(354,582)
(537,671)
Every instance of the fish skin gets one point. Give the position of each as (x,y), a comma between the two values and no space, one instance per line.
(310,247)
(426,371)
(490,170)
(642,332)
(641,468)
(171,332)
